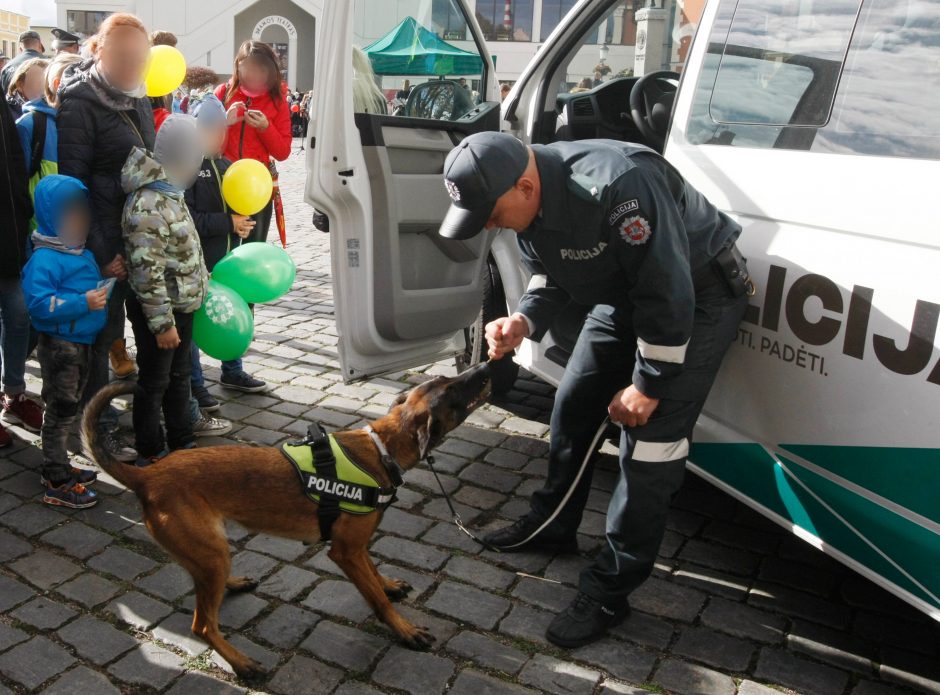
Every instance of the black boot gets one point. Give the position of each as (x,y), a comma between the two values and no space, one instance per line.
(513,539)
(586,620)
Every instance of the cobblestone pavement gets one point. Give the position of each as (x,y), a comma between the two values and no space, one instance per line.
(91,606)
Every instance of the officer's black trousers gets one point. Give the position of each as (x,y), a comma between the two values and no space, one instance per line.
(652,457)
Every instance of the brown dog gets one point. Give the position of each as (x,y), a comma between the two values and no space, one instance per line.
(187,497)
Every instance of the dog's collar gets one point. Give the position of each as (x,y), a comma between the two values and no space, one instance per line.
(391,465)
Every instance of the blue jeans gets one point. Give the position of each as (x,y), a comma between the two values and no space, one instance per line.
(198,379)
(14,336)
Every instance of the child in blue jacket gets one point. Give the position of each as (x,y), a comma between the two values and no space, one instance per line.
(67,306)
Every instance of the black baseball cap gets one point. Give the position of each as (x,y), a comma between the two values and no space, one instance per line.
(477,172)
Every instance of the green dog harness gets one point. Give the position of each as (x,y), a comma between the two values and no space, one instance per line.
(333,480)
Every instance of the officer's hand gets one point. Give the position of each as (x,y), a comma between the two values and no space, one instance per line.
(631,408)
(505,334)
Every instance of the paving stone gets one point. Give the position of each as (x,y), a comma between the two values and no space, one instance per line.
(149,664)
(485,475)
(169,582)
(322,562)
(196,683)
(743,621)
(644,629)
(528,562)
(622,661)
(782,668)
(43,614)
(138,610)
(330,417)
(301,673)
(44,569)
(461,447)
(439,509)
(714,648)
(420,583)
(267,658)
(479,436)
(82,681)
(479,573)
(286,626)
(487,652)
(475,683)
(800,604)
(352,649)
(402,523)
(797,576)
(668,600)
(544,594)
(31,519)
(253,565)
(526,623)
(282,548)
(566,569)
(238,609)
(910,670)
(269,421)
(10,636)
(834,647)
(414,672)
(712,581)
(77,539)
(288,583)
(442,630)
(561,677)
(523,426)
(177,631)
(356,688)
(410,553)
(612,687)
(452,465)
(122,563)
(12,547)
(861,688)
(340,599)
(420,477)
(34,662)
(690,679)
(744,537)
(89,590)
(96,640)
(468,604)
(896,631)
(479,498)
(447,535)
(506,458)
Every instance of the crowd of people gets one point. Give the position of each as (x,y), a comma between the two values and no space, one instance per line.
(113,212)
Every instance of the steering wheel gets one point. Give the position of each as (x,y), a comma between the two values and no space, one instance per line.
(651,101)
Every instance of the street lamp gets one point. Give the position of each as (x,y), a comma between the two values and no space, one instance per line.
(604,52)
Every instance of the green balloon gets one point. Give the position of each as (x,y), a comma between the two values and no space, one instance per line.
(259,272)
(223,326)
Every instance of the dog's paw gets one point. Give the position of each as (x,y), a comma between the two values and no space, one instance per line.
(251,671)
(239,585)
(397,589)
(420,639)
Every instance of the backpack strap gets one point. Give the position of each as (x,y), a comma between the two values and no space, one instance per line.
(38,143)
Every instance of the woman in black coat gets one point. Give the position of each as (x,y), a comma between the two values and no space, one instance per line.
(103,114)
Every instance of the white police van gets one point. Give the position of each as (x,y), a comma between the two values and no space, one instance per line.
(816,124)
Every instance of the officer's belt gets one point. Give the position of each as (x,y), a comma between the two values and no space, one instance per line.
(333,480)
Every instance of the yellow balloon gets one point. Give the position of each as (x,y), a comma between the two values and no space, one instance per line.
(247,186)
(166,72)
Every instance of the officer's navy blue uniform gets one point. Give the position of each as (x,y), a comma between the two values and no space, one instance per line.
(621,231)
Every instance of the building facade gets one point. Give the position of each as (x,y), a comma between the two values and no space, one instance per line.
(11,26)
(210,31)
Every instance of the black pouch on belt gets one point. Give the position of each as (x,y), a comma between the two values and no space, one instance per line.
(731,267)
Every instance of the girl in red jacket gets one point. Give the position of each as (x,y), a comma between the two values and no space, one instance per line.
(258,115)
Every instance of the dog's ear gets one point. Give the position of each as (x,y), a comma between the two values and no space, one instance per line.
(423,433)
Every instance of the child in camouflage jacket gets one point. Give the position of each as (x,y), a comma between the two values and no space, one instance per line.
(168,275)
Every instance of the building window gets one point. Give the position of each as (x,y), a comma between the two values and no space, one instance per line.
(505,20)
(552,13)
(448,21)
(85,22)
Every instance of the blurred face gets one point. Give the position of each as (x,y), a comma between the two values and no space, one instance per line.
(123,58)
(73,224)
(32,85)
(213,140)
(254,75)
(182,175)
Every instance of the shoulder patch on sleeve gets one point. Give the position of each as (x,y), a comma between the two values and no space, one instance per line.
(586,187)
(635,230)
(622,209)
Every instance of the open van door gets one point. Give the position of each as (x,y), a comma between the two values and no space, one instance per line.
(404,295)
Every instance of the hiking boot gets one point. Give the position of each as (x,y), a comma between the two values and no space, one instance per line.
(586,620)
(84,476)
(122,364)
(516,538)
(242,381)
(207,426)
(5,438)
(20,410)
(71,494)
(205,399)
(117,447)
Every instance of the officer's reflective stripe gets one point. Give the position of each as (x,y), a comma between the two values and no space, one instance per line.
(662,353)
(537,282)
(656,452)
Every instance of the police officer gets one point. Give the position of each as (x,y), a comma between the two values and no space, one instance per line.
(611,226)
(65,42)
(30,47)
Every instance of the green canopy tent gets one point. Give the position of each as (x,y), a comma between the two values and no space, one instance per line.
(411,49)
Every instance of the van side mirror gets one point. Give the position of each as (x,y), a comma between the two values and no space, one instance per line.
(442,100)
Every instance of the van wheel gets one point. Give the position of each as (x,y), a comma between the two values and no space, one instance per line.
(503,372)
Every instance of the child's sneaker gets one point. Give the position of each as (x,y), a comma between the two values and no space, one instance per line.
(207,426)
(71,494)
(85,476)
(242,381)
(20,410)
(205,399)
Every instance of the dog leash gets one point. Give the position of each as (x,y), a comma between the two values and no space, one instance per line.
(458,522)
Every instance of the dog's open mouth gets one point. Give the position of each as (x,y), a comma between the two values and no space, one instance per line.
(481,397)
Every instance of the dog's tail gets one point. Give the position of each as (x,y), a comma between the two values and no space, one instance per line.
(129,476)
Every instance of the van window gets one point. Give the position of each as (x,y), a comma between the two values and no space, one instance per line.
(822,75)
